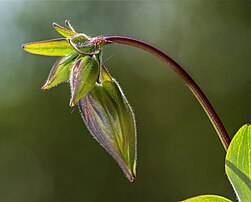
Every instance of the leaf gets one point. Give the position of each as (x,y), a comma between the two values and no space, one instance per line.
(60,71)
(63,31)
(83,45)
(238,163)
(83,76)
(54,47)
(69,26)
(110,119)
(207,198)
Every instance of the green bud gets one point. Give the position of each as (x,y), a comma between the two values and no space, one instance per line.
(110,119)
(83,45)
(60,71)
(84,75)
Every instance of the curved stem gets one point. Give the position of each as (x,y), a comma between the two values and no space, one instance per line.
(201,97)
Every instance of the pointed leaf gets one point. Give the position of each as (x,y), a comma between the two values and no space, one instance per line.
(238,163)
(84,74)
(83,45)
(63,31)
(60,71)
(69,57)
(110,119)
(54,47)
(207,198)
(69,26)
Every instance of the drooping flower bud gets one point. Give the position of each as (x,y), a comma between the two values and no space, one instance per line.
(84,75)
(104,108)
(110,119)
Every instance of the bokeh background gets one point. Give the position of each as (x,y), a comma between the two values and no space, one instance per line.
(47,154)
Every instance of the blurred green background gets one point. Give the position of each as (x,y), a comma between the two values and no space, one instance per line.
(47,154)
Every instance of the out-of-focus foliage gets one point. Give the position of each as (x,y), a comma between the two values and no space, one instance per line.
(207,198)
(46,153)
(238,163)
(238,168)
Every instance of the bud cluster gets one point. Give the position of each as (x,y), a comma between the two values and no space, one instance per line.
(103,106)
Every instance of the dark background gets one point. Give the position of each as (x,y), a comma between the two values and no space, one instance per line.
(46,153)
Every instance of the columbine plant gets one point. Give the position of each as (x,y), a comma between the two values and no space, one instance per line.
(108,115)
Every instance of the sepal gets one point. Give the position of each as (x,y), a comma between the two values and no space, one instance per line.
(54,47)
(60,71)
(63,31)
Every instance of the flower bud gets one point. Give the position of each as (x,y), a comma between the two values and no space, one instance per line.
(83,45)
(84,75)
(110,119)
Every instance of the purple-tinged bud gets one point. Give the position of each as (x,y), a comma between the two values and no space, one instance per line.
(110,119)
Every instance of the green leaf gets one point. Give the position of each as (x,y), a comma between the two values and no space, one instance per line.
(238,163)
(207,198)
(69,57)
(83,45)
(63,31)
(60,71)
(84,75)
(110,119)
(54,47)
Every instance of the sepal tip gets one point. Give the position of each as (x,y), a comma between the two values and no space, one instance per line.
(72,103)
(43,88)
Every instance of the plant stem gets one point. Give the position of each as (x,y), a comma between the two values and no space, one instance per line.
(201,97)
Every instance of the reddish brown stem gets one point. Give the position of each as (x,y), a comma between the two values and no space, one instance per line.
(201,97)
